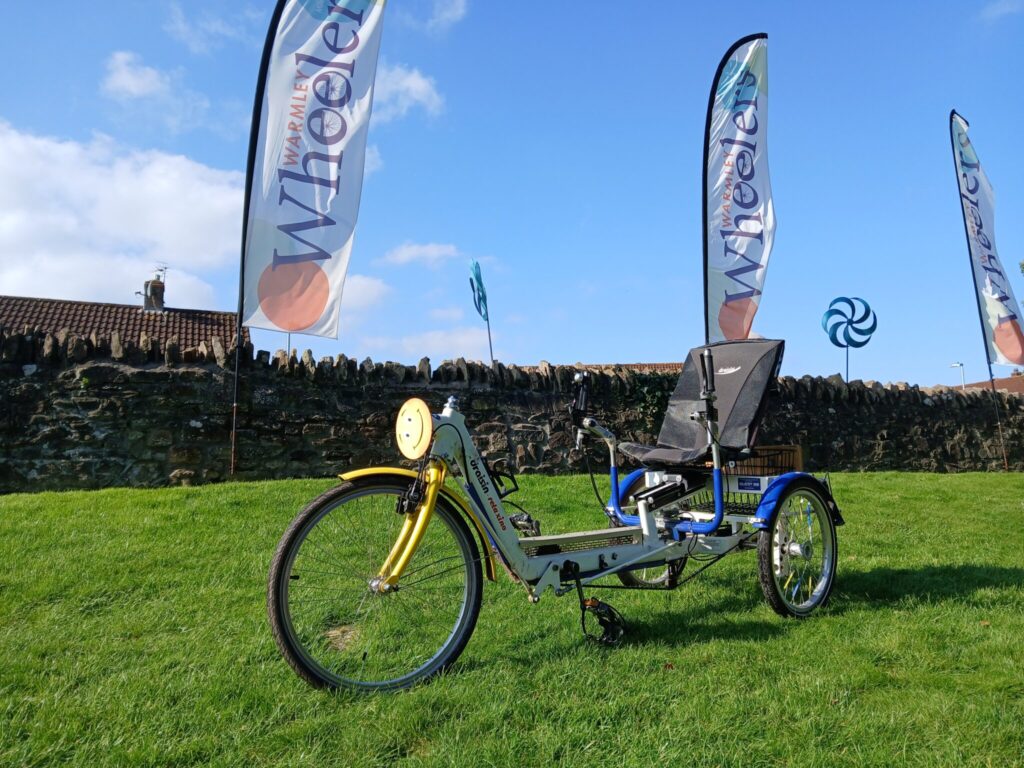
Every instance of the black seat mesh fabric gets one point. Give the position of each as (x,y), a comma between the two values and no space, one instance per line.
(657,456)
(744,370)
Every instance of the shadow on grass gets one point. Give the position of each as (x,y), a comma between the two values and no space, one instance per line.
(883,587)
(681,624)
(727,618)
(675,629)
(734,617)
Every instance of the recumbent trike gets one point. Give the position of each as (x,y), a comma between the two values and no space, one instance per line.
(377,582)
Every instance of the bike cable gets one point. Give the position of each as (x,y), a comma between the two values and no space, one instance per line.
(593,480)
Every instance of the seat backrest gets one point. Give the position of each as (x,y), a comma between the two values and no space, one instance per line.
(744,370)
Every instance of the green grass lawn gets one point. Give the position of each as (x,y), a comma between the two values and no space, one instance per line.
(133,631)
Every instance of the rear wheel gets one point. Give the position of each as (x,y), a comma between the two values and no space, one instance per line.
(797,556)
(330,622)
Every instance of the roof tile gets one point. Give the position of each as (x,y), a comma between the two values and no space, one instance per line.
(1010,384)
(191,326)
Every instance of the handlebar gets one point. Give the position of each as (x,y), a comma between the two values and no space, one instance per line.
(580,398)
(594,427)
(707,372)
(583,423)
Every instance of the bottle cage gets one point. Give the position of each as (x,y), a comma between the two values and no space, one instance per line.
(504,481)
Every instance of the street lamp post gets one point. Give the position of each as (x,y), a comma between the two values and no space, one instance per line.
(963,386)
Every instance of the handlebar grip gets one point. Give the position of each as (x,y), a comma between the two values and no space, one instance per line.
(578,409)
(707,368)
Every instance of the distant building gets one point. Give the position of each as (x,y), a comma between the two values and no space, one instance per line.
(1013,384)
(634,367)
(190,326)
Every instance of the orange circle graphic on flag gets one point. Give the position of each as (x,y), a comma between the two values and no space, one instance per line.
(736,317)
(1010,341)
(293,296)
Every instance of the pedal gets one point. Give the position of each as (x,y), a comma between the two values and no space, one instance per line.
(523,522)
(613,626)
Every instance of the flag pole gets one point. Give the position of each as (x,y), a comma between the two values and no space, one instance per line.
(490,347)
(981,320)
(254,134)
(996,404)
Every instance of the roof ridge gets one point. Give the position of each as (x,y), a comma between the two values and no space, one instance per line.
(113,304)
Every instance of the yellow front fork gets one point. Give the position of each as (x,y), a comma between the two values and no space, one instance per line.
(413,528)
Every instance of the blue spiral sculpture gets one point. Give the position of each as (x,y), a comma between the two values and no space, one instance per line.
(848,325)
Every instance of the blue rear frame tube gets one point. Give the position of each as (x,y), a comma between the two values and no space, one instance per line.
(615,502)
(688,526)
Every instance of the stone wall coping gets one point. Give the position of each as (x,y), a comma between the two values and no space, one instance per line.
(28,354)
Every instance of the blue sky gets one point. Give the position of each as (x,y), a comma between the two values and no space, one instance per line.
(558,143)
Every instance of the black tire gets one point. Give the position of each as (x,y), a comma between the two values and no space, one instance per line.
(787,557)
(656,577)
(414,632)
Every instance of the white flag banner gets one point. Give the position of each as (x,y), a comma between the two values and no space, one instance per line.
(739,220)
(997,307)
(307,150)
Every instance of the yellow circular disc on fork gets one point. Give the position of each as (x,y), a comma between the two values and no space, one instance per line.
(414,428)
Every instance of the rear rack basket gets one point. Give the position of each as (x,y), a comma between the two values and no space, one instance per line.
(766,461)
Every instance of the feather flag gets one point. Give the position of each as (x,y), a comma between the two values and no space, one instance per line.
(997,306)
(739,218)
(306,155)
(476,284)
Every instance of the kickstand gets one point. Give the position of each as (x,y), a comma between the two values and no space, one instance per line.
(613,626)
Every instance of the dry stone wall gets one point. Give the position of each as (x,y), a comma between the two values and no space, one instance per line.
(78,412)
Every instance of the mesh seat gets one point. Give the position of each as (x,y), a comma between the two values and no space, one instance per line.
(744,371)
(662,455)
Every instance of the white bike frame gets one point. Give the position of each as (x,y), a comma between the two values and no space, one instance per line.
(548,561)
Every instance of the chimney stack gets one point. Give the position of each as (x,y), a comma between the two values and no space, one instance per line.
(153,295)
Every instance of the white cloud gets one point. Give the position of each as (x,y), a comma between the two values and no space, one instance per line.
(431,254)
(449,314)
(209,31)
(398,89)
(374,162)
(158,95)
(463,341)
(128,78)
(446,13)
(89,221)
(362,292)
(1001,8)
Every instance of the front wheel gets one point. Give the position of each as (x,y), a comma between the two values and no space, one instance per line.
(797,555)
(333,625)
